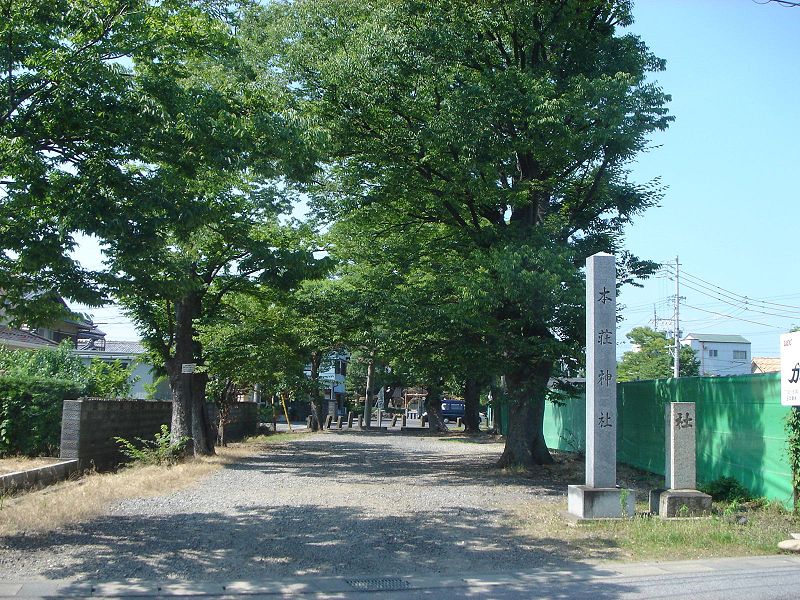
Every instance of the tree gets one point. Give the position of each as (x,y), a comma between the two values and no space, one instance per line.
(64,115)
(506,124)
(145,124)
(652,359)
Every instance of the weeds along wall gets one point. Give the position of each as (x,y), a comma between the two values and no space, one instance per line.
(89,426)
(740,428)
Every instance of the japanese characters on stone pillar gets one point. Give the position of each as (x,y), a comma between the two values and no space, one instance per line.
(680,498)
(681,446)
(601,371)
(599,498)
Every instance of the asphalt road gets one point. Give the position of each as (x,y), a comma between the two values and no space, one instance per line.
(756,578)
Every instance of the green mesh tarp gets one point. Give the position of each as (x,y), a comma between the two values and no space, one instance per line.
(740,428)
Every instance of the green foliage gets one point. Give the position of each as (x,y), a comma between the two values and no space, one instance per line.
(49,363)
(109,379)
(30,413)
(475,156)
(99,378)
(653,359)
(793,449)
(726,489)
(158,451)
(266,412)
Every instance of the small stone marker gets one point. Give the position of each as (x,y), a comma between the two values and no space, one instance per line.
(600,498)
(423,421)
(458,422)
(403,421)
(339,422)
(360,421)
(380,418)
(350,418)
(328,420)
(680,498)
(394,420)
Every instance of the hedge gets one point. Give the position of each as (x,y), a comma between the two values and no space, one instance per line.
(30,414)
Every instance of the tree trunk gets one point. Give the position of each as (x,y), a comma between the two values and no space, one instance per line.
(472,417)
(433,405)
(189,415)
(526,389)
(316,401)
(369,397)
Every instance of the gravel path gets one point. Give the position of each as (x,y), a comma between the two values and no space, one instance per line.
(327,504)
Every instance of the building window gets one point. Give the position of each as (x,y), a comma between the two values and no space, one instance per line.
(740,354)
(713,353)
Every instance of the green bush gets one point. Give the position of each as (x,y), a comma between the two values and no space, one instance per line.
(30,413)
(726,489)
(98,378)
(154,452)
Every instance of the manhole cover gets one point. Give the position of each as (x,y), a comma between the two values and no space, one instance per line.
(374,585)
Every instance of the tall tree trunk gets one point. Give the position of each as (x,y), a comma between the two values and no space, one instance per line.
(369,398)
(433,405)
(316,401)
(472,416)
(189,415)
(526,390)
(202,423)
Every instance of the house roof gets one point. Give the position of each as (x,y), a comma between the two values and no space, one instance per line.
(126,347)
(765,364)
(20,338)
(113,347)
(714,337)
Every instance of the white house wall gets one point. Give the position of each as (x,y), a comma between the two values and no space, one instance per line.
(724,363)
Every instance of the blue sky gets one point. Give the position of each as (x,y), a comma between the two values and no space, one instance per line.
(727,163)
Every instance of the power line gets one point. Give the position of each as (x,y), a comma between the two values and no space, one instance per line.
(731,294)
(729,316)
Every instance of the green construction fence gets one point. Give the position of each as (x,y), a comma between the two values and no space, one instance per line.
(740,428)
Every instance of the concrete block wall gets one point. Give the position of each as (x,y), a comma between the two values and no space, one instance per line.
(89,426)
(243,420)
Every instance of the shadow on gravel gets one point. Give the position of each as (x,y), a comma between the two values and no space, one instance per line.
(270,542)
(289,541)
(347,461)
(375,456)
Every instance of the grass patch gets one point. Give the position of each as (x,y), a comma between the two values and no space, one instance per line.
(89,496)
(23,463)
(733,530)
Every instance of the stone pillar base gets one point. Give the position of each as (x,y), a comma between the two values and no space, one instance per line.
(675,504)
(584,502)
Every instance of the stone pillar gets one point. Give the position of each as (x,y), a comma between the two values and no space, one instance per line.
(328,420)
(380,418)
(339,422)
(350,419)
(600,498)
(680,498)
(360,421)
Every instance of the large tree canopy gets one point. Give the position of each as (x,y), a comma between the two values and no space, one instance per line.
(145,124)
(506,124)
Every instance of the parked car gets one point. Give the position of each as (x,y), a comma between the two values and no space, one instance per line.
(452,409)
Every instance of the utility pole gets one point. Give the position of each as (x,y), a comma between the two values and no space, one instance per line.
(677,362)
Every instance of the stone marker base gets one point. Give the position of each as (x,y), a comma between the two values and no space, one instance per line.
(674,504)
(584,502)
